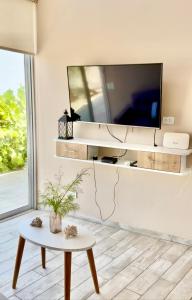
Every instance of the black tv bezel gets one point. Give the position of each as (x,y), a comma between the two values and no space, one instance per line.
(136,64)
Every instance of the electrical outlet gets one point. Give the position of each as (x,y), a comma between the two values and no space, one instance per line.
(168,120)
(110,86)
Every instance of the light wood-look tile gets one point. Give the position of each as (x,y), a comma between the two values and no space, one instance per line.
(180,268)
(183,290)
(41,285)
(53,293)
(127,294)
(130,266)
(159,290)
(111,288)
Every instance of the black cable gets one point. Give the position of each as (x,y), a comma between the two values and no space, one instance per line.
(95,182)
(125,152)
(154,138)
(113,135)
(119,156)
(114,195)
(126,134)
(115,185)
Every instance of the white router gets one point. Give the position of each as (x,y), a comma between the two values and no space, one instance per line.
(175,140)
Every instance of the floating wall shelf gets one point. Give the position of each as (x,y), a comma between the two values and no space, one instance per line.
(149,158)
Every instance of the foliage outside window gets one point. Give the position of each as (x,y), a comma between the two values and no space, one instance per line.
(13,130)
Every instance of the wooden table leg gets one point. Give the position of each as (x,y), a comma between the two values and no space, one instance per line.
(67,273)
(93,269)
(43,257)
(20,249)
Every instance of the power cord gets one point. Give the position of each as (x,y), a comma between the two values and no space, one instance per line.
(116,183)
(113,135)
(154,138)
(119,156)
(126,133)
(114,195)
(121,141)
(95,198)
(125,152)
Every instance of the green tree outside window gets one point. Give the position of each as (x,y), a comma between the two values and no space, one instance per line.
(13,130)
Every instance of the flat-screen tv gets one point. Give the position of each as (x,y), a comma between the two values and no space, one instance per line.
(116,94)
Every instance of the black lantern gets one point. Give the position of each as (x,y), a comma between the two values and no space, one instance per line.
(65,127)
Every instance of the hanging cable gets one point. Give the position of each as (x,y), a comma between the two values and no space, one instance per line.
(154,138)
(121,155)
(116,183)
(113,135)
(114,195)
(125,139)
(95,196)
(125,152)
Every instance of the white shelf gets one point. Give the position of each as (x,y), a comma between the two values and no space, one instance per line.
(121,164)
(133,147)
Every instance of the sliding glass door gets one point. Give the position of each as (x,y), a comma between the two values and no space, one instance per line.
(17,141)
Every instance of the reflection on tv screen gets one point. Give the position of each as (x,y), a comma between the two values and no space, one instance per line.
(118,94)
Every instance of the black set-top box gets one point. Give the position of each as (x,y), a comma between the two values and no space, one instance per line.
(109,159)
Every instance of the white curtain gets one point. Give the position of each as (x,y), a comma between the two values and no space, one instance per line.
(18,25)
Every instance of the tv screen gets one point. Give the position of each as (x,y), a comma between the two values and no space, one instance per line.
(116,94)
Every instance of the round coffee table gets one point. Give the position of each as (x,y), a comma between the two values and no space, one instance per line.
(45,239)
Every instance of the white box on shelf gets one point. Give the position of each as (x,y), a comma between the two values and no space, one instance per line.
(176,140)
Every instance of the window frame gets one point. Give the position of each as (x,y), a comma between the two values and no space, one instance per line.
(31,139)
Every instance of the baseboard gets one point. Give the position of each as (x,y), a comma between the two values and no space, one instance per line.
(147,232)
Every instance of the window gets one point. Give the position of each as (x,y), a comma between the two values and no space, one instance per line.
(17,161)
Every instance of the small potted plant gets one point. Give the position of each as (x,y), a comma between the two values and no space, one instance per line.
(61,199)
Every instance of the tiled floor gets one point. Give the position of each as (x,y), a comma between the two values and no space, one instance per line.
(130,267)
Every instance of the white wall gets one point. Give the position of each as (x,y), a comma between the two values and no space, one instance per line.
(108,32)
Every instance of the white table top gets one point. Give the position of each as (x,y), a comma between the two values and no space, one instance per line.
(56,241)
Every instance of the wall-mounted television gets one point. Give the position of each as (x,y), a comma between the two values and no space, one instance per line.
(116,94)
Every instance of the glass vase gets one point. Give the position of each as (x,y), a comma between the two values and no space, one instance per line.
(55,222)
